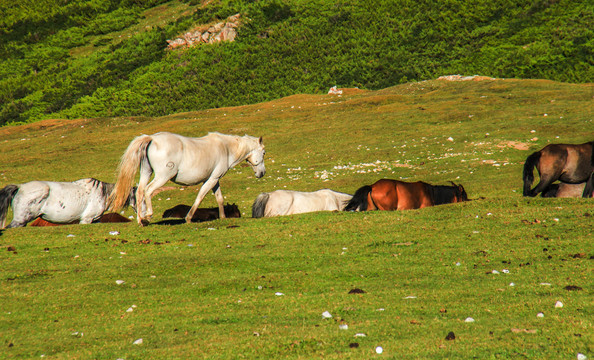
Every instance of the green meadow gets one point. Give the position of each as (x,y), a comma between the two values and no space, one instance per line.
(479,279)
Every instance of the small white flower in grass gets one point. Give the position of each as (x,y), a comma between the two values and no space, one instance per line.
(540,315)
(137,341)
(458,264)
(505,271)
(495,272)
(326,315)
(279,294)
(512,284)
(581,356)
(114,233)
(359,335)
(545,284)
(381,309)
(532,131)
(343,327)
(120,282)
(70,235)
(555,219)
(469,320)
(450,139)
(410,297)
(558,304)
(379,350)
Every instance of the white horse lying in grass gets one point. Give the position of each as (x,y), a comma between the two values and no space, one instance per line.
(286,202)
(83,200)
(185,161)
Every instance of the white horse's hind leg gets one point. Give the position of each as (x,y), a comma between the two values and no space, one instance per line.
(220,200)
(157,182)
(208,185)
(145,176)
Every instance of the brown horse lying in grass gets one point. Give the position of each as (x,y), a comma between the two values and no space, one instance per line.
(180,211)
(389,194)
(571,164)
(105,218)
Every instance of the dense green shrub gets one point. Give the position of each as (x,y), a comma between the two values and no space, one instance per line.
(92,58)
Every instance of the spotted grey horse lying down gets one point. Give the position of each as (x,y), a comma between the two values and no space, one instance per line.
(81,201)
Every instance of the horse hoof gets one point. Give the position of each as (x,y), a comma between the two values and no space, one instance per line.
(144,222)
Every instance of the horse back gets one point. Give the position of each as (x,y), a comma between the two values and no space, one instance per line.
(388,194)
(571,163)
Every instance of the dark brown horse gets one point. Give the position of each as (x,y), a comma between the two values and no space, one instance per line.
(180,211)
(105,218)
(571,164)
(389,194)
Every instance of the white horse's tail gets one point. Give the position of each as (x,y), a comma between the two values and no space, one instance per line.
(6,195)
(260,205)
(133,156)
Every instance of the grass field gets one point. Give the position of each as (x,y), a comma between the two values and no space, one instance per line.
(257,288)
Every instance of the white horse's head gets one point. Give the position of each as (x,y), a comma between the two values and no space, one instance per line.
(256,158)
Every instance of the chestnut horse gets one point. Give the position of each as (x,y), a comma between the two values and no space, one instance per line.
(389,194)
(180,211)
(571,164)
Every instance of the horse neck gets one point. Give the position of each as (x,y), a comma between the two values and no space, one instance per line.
(240,148)
(443,194)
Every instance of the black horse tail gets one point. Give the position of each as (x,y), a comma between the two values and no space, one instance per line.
(260,205)
(359,200)
(6,195)
(531,162)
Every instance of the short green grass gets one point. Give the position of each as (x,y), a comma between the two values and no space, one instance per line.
(257,288)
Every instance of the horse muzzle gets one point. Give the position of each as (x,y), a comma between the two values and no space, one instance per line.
(259,174)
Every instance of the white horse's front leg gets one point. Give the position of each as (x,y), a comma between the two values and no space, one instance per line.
(208,185)
(220,200)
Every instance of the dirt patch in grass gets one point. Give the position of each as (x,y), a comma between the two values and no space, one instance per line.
(515,144)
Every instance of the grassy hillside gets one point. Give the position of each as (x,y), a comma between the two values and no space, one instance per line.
(108,58)
(257,288)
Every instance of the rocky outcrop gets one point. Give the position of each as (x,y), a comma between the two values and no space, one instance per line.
(223,31)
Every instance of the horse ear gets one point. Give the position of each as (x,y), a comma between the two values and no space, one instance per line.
(260,140)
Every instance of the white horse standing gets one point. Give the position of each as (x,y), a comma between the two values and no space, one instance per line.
(83,200)
(185,161)
(287,202)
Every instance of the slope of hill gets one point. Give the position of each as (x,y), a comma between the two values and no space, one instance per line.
(109,58)
(490,271)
